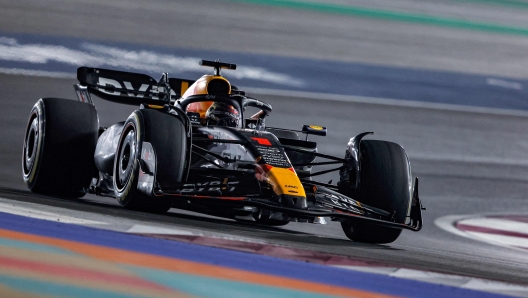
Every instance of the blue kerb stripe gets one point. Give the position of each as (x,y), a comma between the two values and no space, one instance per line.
(319,75)
(233,259)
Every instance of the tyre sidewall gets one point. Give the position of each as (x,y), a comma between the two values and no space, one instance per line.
(63,162)
(30,171)
(127,193)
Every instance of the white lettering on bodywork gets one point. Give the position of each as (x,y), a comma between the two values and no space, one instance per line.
(103,82)
(143,88)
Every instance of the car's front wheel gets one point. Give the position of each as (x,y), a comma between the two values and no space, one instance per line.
(385,183)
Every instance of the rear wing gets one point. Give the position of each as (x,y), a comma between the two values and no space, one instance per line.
(128,87)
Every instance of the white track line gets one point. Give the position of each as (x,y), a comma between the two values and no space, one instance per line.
(460,281)
(387,102)
(502,240)
(497,224)
(146,229)
(448,223)
(37,73)
(317,96)
(35,213)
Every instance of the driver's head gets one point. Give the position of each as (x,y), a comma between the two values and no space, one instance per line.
(222,114)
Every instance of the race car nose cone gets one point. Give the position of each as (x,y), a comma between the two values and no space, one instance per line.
(294,202)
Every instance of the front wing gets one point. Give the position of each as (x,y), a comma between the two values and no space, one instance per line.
(322,206)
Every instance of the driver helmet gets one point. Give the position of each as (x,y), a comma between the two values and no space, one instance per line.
(223,115)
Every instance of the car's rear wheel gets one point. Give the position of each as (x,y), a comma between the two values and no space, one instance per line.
(386,184)
(59,145)
(166,134)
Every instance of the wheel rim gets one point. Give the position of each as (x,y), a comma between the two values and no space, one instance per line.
(31,145)
(126,158)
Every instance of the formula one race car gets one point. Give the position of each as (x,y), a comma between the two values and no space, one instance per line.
(188,146)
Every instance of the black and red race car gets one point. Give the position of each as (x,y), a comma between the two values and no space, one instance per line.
(169,153)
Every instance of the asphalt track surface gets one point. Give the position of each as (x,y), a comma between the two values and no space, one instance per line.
(469,161)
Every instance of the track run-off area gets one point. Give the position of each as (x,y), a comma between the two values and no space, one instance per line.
(445,79)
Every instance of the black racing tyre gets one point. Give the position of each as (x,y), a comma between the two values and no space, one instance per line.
(166,134)
(59,146)
(385,183)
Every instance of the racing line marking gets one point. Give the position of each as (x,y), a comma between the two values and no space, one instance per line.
(503,230)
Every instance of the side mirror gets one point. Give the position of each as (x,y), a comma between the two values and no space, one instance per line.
(314,130)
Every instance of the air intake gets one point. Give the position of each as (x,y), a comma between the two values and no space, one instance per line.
(218,86)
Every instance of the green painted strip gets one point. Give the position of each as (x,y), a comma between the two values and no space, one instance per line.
(34,246)
(392,16)
(507,3)
(216,287)
(50,289)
